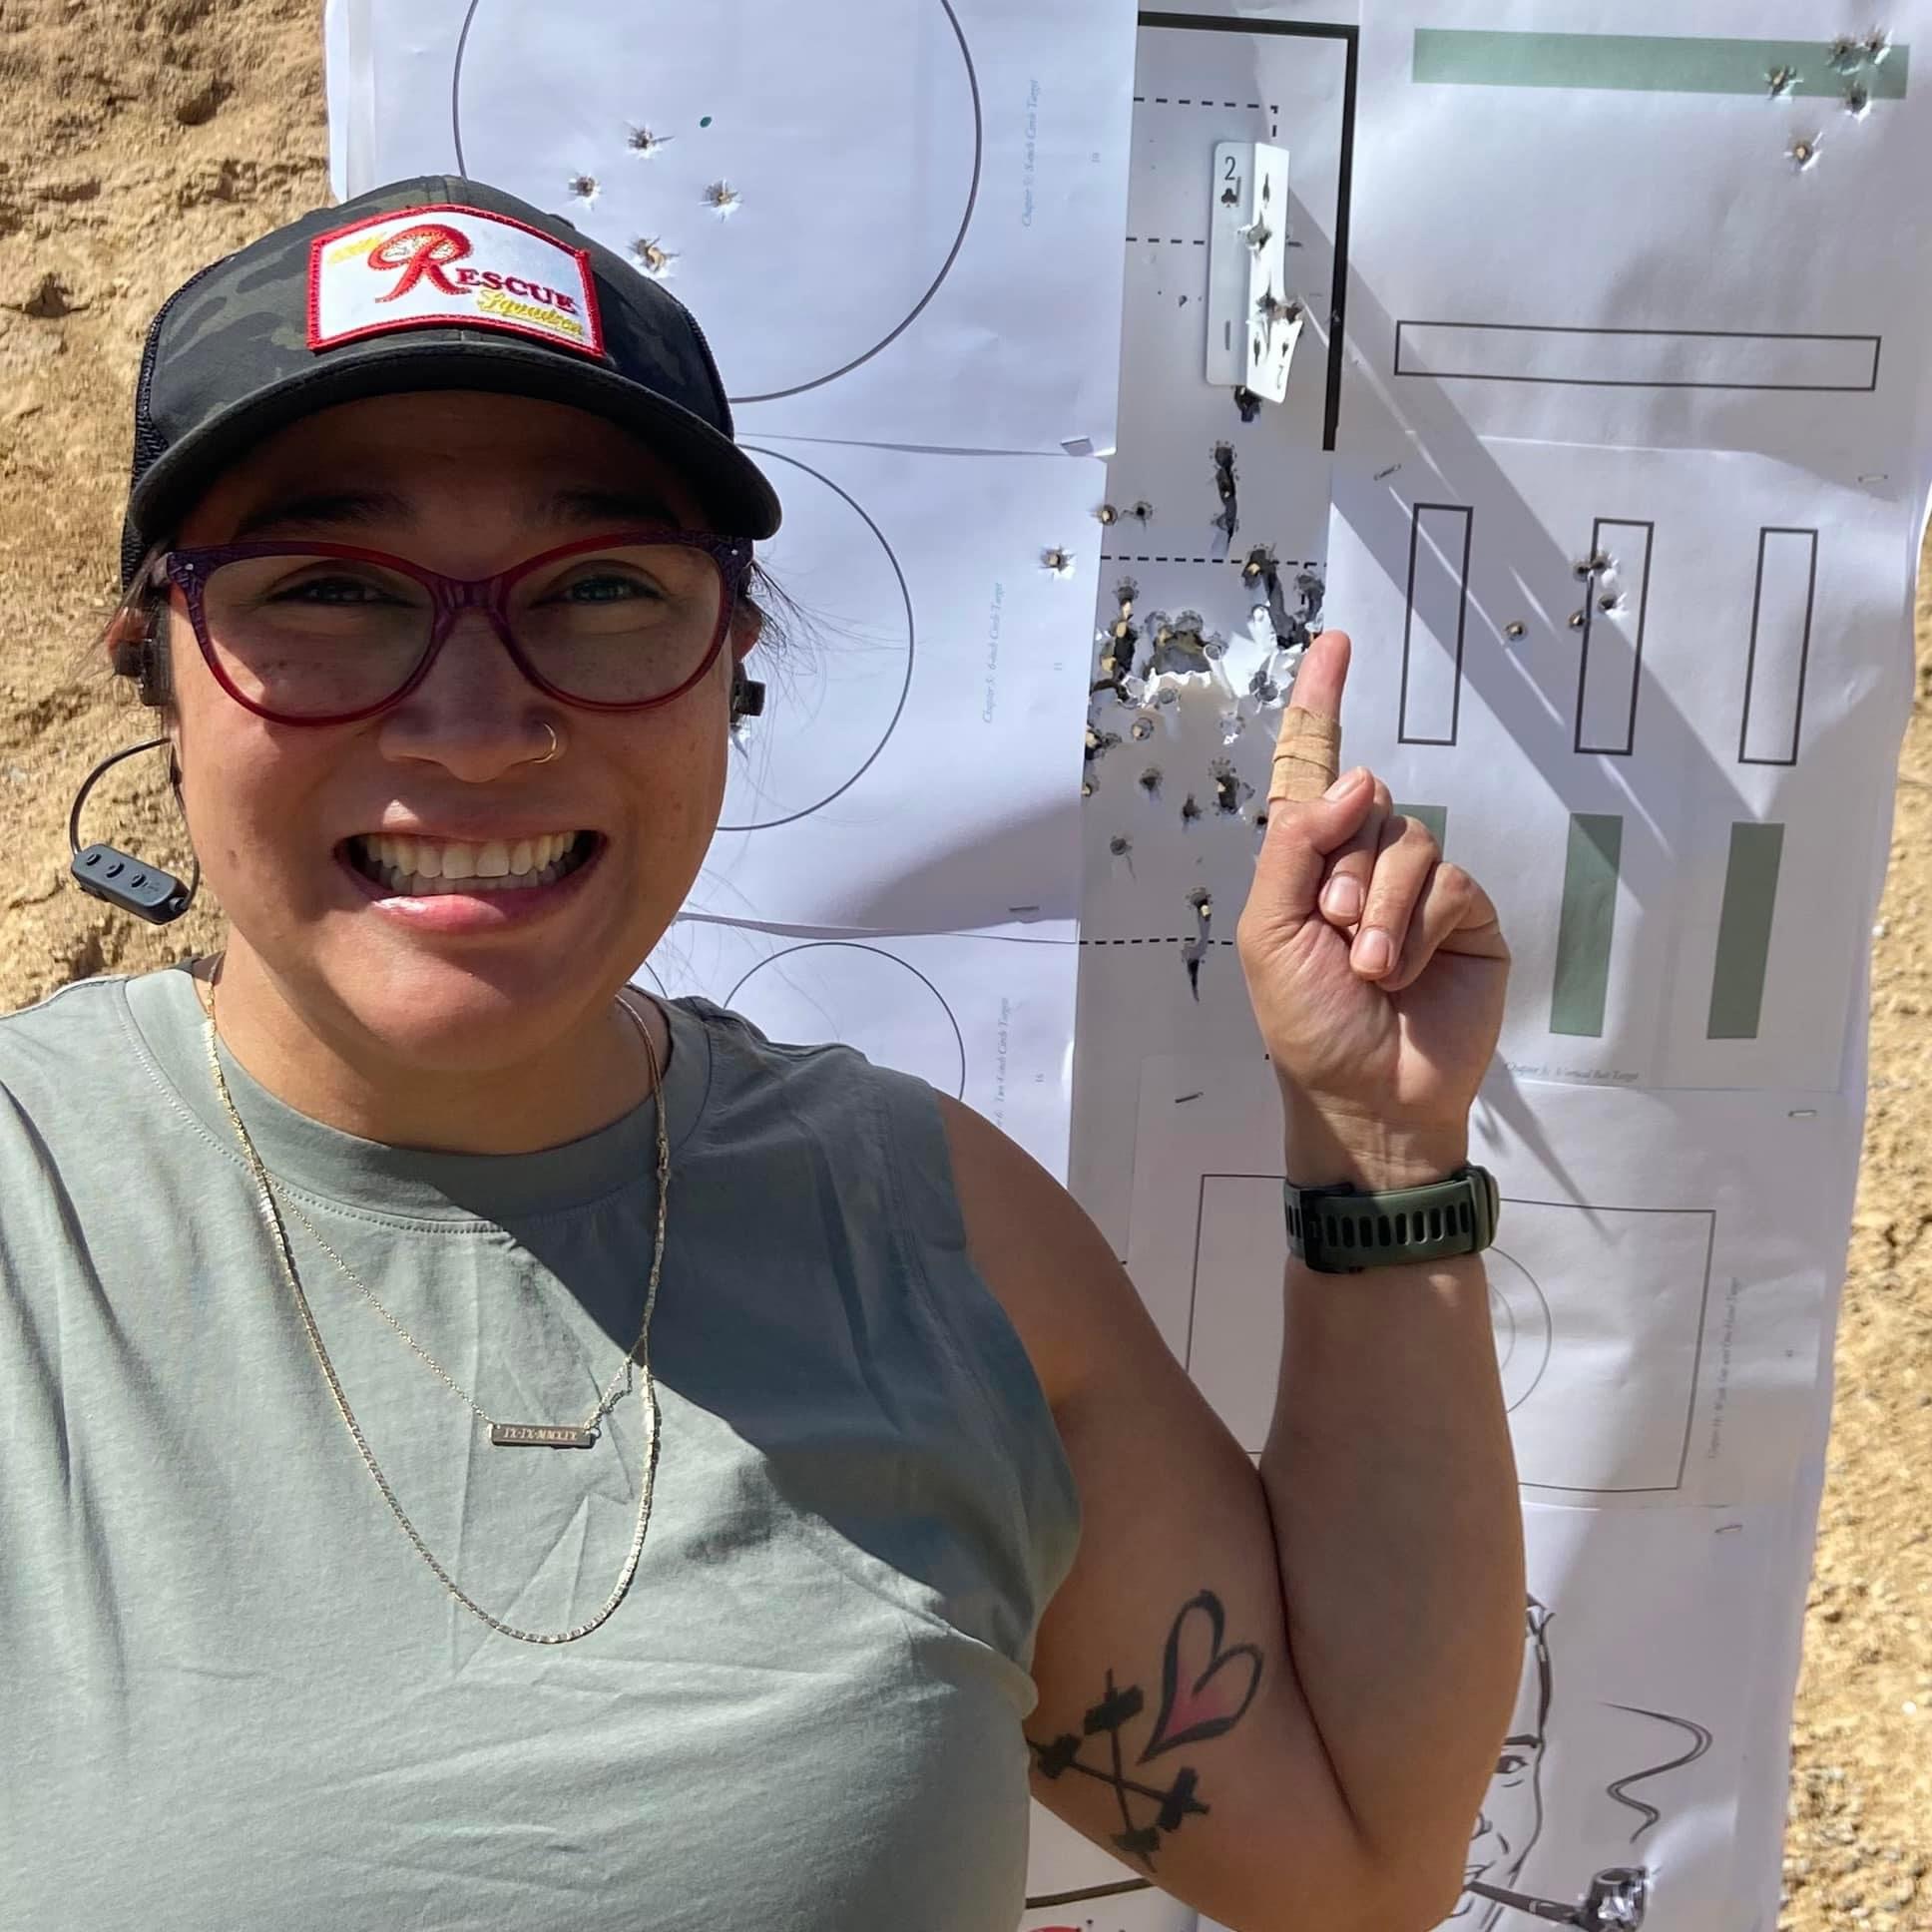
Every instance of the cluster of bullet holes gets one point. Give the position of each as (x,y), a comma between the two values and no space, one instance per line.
(1597,573)
(1145,661)
(1854,58)
(649,251)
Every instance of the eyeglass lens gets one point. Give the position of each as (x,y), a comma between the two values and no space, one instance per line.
(315,635)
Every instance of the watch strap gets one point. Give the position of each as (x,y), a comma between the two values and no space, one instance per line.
(1343,1230)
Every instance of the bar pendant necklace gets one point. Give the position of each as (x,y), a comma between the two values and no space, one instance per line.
(542,1435)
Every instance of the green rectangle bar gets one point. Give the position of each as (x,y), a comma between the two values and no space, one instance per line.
(1744,931)
(1586,924)
(1436,817)
(1649,63)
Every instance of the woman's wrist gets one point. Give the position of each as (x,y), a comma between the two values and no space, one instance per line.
(1325,1150)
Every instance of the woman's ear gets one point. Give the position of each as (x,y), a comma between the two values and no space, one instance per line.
(137,643)
(128,637)
(748,627)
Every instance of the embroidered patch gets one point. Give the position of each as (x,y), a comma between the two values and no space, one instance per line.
(425,267)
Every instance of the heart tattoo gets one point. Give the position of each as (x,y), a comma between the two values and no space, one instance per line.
(1207,1685)
(1205,1688)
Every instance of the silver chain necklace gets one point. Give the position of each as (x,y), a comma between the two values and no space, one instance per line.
(503,1434)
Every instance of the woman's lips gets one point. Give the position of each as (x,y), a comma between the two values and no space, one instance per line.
(464,913)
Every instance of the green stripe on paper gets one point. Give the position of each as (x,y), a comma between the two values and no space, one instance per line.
(1436,817)
(1744,931)
(1647,62)
(1588,921)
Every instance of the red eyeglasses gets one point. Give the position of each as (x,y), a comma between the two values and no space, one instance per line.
(327,634)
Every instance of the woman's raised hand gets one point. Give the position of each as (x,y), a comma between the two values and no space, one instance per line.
(1376,970)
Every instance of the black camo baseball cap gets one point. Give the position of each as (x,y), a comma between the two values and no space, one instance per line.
(432,284)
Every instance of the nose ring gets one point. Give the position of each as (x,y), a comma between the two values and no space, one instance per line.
(552,752)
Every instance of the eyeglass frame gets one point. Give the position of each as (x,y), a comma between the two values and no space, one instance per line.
(189,569)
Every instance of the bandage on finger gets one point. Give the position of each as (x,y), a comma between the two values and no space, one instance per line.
(1307,756)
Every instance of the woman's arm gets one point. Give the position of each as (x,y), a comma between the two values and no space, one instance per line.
(1280,1695)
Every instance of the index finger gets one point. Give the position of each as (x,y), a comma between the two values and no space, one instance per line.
(1307,750)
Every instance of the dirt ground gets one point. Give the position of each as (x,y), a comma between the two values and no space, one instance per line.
(144,139)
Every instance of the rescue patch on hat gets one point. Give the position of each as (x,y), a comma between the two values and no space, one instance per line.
(432,267)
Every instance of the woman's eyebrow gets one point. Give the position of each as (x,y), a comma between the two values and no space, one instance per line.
(313,508)
(577,504)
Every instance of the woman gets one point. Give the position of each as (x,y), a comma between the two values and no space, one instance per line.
(437,558)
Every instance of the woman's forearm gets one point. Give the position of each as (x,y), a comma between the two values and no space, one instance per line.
(1393,1484)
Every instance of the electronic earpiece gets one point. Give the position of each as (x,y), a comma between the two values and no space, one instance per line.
(747,698)
(105,872)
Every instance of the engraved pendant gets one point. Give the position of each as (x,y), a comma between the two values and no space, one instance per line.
(539,1435)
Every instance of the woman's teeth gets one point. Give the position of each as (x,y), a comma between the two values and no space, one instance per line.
(421,867)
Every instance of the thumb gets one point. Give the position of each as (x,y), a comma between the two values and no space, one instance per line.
(1300,836)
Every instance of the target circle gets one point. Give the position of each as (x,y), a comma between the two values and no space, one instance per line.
(717,92)
(860,995)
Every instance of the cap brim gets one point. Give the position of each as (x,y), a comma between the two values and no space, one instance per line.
(734,491)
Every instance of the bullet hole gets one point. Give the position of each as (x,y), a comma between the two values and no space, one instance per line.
(1181,650)
(1196,950)
(1780,81)
(1098,743)
(1108,514)
(642,141)
(1232,791)
(1141,730)
(1142,512)
(652,257)
(1233,724)
(1845,53)
(1878,44)
(1245,401)
(1263,690)
(1578,620)
(1225,489)
(723,197)
(1190,811)
(1515,628)
(584,186)
(1293,628)
(1150,782)
(1259,817)
(1119,845)
(1594,565)
(1803,152)
(1060,561)
(1258,235)
(1167,695)
(1118,642)
(1857,100)
(703,120)
(1086,787)
(1611,601)
(1273,309)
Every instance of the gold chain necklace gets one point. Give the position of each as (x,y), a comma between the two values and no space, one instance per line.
(511,1434)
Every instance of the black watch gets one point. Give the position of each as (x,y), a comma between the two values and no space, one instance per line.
(1343,1231)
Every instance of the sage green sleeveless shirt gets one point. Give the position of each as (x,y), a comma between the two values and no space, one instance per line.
(232,1695)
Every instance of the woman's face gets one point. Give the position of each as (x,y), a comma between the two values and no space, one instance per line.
(466,484)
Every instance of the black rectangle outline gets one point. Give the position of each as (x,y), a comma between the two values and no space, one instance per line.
(1588,617)
(1350,37)
(1468,513)
(1583,1206)
(1611,382)
(1804,650)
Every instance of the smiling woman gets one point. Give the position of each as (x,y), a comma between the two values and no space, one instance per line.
(444,603)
